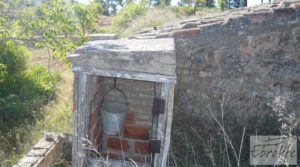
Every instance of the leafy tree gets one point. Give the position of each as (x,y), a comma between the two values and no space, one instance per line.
(222,4)
(195,3)
(87,15)
(54,27)
(111,6)
(126,14)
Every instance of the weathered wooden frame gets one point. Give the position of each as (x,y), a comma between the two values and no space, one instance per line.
(82,102)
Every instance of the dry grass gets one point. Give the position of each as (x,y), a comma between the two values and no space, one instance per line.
(157,17)
(219,137)
(58,111)
(160,16)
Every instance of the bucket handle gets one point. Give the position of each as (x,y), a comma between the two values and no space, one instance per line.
(118,89)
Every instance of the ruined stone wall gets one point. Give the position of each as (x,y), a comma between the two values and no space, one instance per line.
(48,151)
(252,54)
(253,57)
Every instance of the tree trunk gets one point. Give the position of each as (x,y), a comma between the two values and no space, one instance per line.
(195,8)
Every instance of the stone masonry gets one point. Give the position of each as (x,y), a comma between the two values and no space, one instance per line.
(48,151)
(253,54)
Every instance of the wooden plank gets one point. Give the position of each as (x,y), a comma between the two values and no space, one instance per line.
(75,117)
(154,134)
(126,74)
(161,125)
(81,118)
(168,127)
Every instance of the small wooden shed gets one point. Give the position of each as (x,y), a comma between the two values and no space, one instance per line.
(144,70)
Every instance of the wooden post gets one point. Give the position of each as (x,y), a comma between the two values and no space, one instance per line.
(158,159)
(81,118)
(165,125)
(168,124)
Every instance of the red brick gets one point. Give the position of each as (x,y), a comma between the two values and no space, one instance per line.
(115,143)
(142,147)
(136,132)
(111,156)
(130,118)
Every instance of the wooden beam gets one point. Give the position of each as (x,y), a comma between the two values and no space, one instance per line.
(81,118)
(168,127)
(158,159)
(125,74)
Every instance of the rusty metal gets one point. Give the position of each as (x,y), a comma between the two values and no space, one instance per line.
(154,146)
(158,106)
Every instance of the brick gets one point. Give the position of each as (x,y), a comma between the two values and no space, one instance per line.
(115,143)
(136,132)
(142,147)
(111,156)
(130,119)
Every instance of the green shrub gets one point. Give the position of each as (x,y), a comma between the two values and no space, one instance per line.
(3,73)
(182,11)
(14,57)
(222,4)
(23,90)
(127,14)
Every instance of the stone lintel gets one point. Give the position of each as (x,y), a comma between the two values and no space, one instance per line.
(153,56)
(126,74)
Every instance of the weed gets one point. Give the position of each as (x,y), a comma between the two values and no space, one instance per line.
(219,137)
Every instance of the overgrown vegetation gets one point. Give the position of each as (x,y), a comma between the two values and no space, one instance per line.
(220,136)
(135,17)
(24,90)
(126,15)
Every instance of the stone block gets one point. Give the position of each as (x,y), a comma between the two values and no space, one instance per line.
(37,153)
(95,37)
(154,56)
(43,144)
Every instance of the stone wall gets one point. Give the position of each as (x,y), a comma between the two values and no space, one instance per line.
(253,58)
(252,54)
(48,151)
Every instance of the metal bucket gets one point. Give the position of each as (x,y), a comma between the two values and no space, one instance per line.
(113,114)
